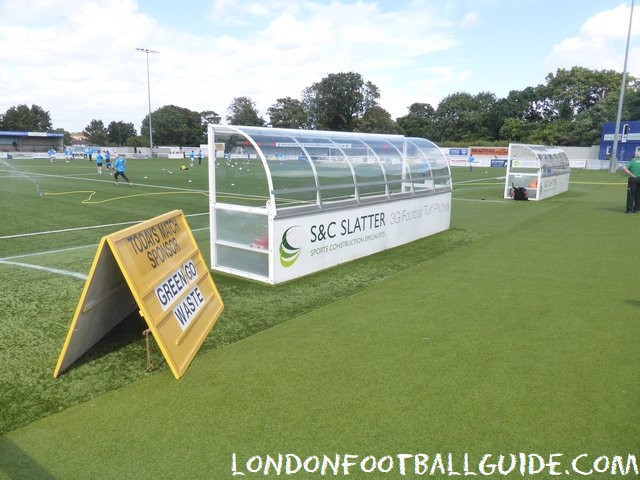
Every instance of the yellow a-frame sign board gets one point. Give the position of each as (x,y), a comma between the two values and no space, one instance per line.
(157,268)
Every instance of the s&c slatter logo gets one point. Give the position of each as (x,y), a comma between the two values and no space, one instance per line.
(288,253)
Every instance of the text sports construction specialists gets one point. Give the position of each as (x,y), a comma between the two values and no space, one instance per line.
(157,242)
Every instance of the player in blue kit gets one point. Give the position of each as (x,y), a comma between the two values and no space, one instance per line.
(120,165)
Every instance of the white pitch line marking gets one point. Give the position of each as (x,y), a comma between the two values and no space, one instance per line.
(58,271)
(76,229)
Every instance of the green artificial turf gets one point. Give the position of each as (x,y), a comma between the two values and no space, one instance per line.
(512,333)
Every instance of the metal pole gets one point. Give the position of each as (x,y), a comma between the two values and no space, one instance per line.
(613,163)
(147,52)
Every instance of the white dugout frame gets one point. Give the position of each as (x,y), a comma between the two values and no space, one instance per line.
(286,203)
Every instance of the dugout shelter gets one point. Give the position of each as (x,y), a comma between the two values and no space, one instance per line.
(285,203)
(544,171)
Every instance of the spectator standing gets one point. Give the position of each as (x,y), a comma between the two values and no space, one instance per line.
(632,169)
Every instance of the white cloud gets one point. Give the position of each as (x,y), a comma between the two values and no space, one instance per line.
(80,62)
(600,43)
(470,20)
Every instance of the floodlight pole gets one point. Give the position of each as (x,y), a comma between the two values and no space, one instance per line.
(147,52)
(613,163)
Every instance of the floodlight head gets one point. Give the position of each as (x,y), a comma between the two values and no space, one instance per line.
(146,50)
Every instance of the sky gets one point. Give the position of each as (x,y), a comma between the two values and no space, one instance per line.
(78,59)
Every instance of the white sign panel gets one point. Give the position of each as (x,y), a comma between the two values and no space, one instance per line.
(554,185)
(318,241)
(172,286)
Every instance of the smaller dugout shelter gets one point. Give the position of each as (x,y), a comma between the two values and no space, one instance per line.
(286,203)
(543,171)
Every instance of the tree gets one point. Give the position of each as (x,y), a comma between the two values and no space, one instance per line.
(371,95)
(288,113)
(377,120)
(419,122)
(631,101)
(556,132)
(516,130)
(462,117)
(516,118)
(138,141)
(23,118)
(579,89)
(96,133)
(174,125)
(242,111)
(587,125)
(119,132)
(67,140)
(338,101)
(568,109)
(210,117)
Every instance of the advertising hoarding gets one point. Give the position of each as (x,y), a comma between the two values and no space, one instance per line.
(314,242)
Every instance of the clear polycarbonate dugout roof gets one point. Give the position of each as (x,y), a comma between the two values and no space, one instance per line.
(551,160)
(292,170)
(286,203)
